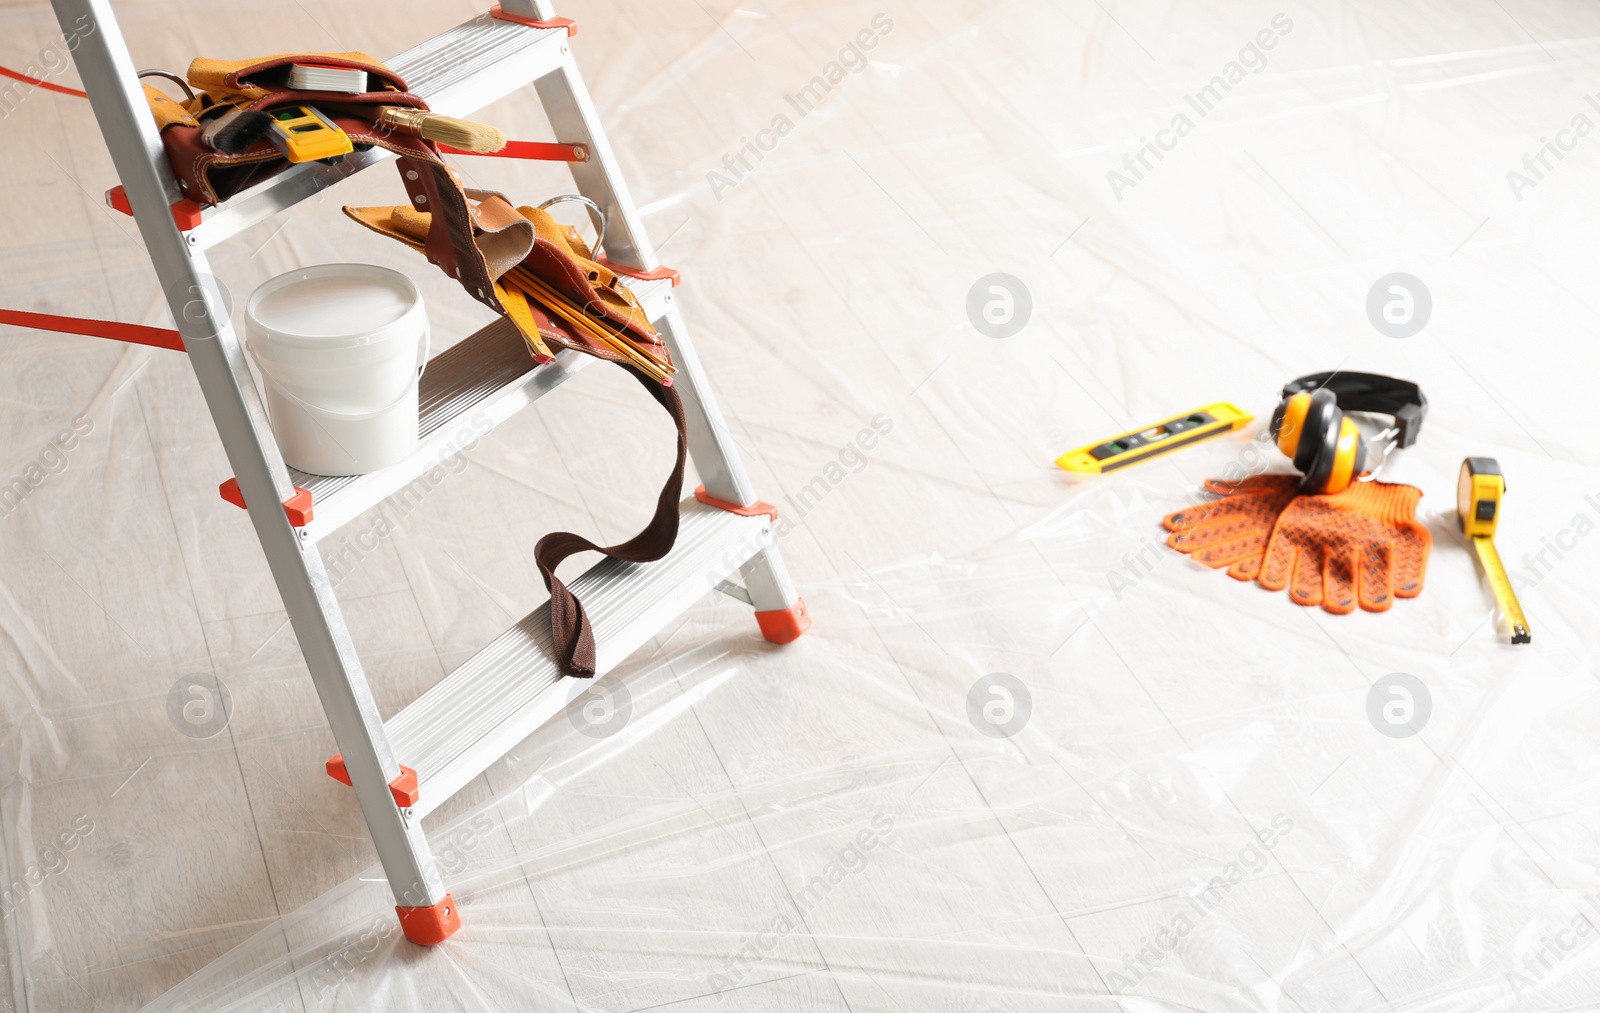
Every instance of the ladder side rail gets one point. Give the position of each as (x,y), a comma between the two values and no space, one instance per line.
(575,119)
(141,135)
(140,159)
(572,114)
(716,456)
(108,75)
(767,581)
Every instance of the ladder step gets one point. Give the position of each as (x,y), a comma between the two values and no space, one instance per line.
(466,391)
(457,729)
(459,72)
(479,62)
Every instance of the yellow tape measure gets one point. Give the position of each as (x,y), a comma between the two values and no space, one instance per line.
(1478,494)
(1142,444)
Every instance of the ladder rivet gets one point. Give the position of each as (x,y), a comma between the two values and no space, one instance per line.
(422,198)
(411,174)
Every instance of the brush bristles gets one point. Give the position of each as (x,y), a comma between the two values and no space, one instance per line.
(466,135)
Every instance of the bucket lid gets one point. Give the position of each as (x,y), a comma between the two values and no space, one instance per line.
(333,306)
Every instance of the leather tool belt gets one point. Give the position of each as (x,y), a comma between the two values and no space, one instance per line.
(519,261)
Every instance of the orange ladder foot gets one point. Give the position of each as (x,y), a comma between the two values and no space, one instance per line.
(784,626)
(430,926)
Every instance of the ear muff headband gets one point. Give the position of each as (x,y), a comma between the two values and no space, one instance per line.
(1370,392)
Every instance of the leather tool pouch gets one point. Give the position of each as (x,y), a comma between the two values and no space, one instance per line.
(211,177)
(527,239)
(509,241)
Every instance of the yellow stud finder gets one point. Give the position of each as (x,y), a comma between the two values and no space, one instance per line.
(305,135)
(1151,441)
(1479,492)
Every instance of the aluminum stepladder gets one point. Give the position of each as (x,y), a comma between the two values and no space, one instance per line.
(404,768)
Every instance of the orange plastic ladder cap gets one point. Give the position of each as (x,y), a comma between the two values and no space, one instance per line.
(430,926)
(784,626)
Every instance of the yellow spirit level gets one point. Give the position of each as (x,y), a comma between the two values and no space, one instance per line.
(1479,492)
(305,135)
(1152,441)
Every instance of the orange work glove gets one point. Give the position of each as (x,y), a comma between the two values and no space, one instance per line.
(1232,531)
(1363,544)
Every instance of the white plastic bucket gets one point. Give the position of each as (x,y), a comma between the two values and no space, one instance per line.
(339,348)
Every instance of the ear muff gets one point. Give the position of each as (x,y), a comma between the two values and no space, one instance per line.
(1288,422)
(1319,429)
(1314,460)
(1327,448)
(1339,463)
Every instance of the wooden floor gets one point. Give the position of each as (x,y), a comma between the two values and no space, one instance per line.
(1196,811)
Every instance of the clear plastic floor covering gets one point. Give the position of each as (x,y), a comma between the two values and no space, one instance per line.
(1191,803)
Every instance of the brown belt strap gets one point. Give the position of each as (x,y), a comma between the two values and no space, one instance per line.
(569,626)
